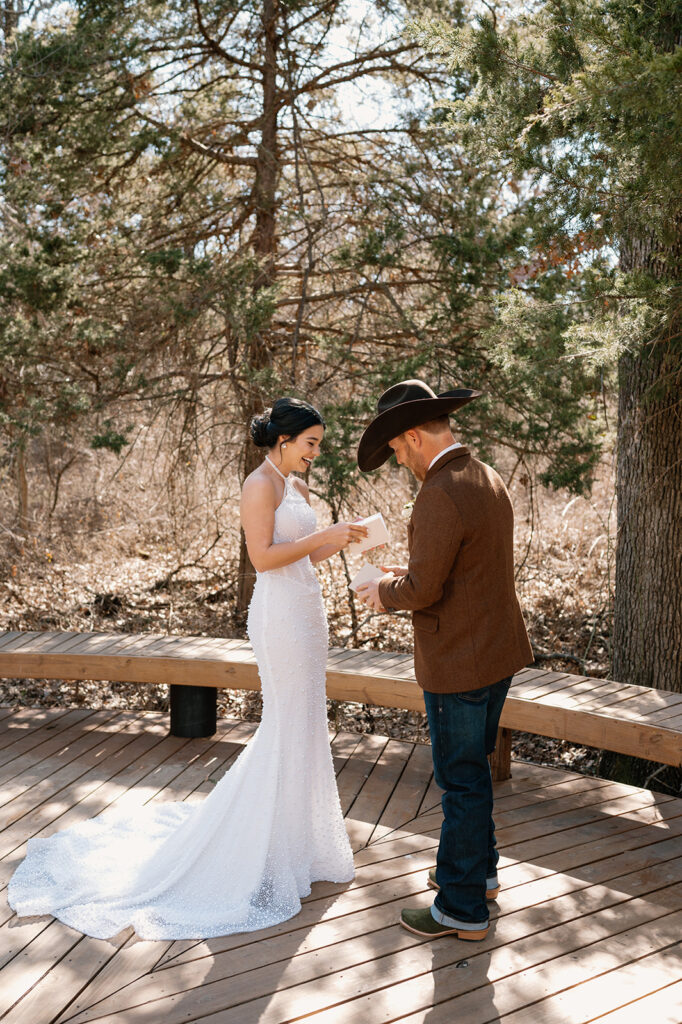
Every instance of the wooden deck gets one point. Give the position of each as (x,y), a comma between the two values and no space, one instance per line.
(587,926)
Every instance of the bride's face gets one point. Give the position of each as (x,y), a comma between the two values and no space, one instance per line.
(300,451)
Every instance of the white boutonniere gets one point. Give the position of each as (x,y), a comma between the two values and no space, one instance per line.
(406,511)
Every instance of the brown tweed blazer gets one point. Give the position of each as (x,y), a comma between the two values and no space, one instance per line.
(468,627)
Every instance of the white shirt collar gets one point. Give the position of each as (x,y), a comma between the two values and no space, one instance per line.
(450,448)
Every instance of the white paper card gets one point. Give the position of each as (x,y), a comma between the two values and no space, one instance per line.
(377,534)
(364,574)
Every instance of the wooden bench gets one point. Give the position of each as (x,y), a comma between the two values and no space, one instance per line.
(593,712)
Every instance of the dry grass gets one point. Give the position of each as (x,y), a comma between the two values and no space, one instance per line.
(151,544)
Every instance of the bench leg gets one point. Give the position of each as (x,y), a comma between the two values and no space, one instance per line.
(193,711)
(500,759)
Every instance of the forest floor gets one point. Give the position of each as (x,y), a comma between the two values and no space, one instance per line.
(105,562)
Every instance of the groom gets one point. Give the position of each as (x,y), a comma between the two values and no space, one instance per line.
(469,635)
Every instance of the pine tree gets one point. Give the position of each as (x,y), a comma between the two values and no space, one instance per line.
(580,101)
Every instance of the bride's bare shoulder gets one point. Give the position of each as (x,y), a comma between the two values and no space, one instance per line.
(259,486)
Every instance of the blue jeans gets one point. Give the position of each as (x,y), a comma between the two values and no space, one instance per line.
(463,729)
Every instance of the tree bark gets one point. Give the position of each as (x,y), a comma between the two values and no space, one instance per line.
(647,635)
(264,243)
(647,642)
(22,489)
(10,19)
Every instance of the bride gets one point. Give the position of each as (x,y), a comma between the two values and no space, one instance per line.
(244,857)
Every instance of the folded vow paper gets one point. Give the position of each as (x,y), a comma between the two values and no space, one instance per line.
(364,574)
(377,534)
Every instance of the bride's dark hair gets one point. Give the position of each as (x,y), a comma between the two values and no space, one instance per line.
(288,417)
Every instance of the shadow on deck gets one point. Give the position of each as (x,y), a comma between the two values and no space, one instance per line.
(586,928)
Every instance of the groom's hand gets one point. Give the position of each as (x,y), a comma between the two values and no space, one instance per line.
(369,594)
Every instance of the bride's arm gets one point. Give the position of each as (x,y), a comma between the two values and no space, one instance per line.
(257,512)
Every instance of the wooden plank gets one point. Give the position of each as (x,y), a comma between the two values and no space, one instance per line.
(592,730)
(84,755)
(392,692)
(47,814)
(205,762)
(662,1007)
(596,826)
(63,981)
(668,718)
(636,704)
(134,959)
(600,687)
(134,668)
(469,993)
(229,751)
(550,682)
(57,642)
(376,792)
(584,999)
(24,773)
(27,748)
(547,847)
(560,825)
(405,800)
(600,827)
(9,636)
(17,641)
(432,798)
(343,747)
(33,962)
(137,763)
(356,771)
(20,722)
(133,777)
(43,641)
(525,675)
(415,844)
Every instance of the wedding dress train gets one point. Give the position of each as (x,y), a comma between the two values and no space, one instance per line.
(243,858)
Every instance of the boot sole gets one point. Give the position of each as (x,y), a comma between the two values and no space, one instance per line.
(458,933)
(490,894)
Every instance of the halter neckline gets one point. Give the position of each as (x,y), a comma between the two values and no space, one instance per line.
(278,471)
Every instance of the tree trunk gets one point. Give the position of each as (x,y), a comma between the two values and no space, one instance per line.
(647,638)
(246,574)
(647,642)
(10,20)
(22,489)
(264,242)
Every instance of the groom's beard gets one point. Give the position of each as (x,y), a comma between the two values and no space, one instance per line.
(415,467)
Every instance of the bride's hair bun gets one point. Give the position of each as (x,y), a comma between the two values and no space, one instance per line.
(263,431)
(288,417)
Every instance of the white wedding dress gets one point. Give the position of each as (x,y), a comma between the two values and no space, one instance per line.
(243,858)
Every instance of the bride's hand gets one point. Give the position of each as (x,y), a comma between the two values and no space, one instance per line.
(343,534)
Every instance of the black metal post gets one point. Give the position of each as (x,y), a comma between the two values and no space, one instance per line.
(193,711)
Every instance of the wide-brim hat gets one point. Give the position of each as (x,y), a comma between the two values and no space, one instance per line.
(404,406)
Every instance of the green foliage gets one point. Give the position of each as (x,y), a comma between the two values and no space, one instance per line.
(110,438)
(577,105)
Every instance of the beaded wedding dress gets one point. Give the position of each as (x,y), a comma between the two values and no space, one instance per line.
(243,858)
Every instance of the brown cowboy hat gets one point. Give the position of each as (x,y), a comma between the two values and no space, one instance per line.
(404,406)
